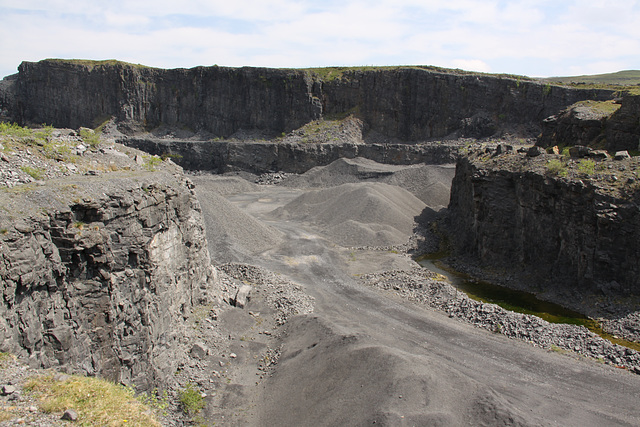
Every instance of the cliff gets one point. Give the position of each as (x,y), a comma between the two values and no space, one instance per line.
(604,125)
(404,103)
(100,273)
(261,157)
(567,225)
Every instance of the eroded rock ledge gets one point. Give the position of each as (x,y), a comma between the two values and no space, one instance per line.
(101,272)
(568,225)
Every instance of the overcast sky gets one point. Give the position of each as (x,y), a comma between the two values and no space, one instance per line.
(529,37)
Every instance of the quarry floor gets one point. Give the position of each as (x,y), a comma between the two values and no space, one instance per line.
(366,356)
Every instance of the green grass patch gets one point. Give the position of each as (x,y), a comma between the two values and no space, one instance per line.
(97,401)
(191,401)
(587,166)
(152,162)
(557,167)
(626,77)
(91,64)
(90,137)
(35,173)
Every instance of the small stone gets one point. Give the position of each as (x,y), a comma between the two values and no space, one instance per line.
(233,355)
(33,409)
(8,389)
(535,151)
(70,415)
(621,155)
(242,296)
(199,350)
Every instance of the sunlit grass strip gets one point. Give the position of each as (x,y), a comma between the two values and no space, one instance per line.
(98,402)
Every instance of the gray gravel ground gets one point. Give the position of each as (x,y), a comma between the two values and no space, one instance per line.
(390,343)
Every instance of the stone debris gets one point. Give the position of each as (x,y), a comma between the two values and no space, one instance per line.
(242,296)
(425,287)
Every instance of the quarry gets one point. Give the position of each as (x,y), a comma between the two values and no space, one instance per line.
(253,234)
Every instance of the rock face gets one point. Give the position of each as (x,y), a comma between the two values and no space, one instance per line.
(613,130)
(565,233)
(407,103)
(261,157)
(103,284)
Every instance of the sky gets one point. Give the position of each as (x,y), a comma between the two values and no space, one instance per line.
(537,38)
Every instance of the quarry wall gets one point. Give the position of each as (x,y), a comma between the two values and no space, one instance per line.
(572,234)
(104,284)
(407,103)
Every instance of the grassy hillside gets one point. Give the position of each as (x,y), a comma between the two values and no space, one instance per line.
(626,77)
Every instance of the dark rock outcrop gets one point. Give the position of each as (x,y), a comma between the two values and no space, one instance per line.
(405,103)
(623,127)
(568,234)
(590,125)
(103,284)
(261,157)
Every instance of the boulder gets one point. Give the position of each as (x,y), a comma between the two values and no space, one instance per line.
(242,296)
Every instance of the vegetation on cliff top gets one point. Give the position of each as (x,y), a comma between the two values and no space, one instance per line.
(97,401)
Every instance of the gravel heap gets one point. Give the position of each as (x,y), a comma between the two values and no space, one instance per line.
(429,183)
(426,287)
(231,233)
(358,214)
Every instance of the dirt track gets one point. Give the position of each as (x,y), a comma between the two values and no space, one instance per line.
(364,357)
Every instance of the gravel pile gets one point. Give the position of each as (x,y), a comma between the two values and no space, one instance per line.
(232,234)
(425,287)
(429,183)
(373,214)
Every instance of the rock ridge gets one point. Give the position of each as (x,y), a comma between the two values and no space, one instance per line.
(407,103)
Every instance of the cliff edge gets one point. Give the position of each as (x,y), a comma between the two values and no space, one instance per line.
(394,103)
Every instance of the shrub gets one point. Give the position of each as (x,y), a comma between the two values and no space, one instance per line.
(587,166)
(191,401)
(557,167)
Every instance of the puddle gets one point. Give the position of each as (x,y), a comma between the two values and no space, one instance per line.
(518,301)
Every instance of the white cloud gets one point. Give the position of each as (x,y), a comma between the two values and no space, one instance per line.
(526,36)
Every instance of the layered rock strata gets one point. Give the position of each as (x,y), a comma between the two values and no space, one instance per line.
(569,226)
(404,103)
(99,275)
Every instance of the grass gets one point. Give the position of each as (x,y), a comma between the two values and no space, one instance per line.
(151,162)
(191,401)
(90,137)
(91,64)
(336,73)
(557,167)
(626,77)
(35,173)
(587,166)
(97,401)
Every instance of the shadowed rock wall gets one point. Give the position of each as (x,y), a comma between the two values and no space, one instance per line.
(261,157)
(580,125)
(405,103)
(565,232)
